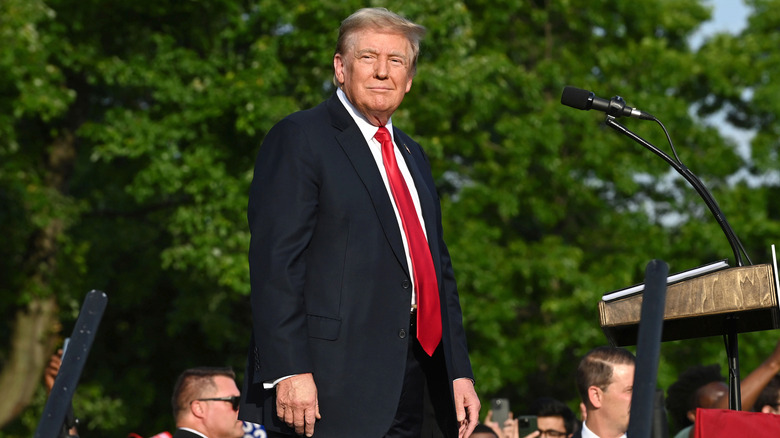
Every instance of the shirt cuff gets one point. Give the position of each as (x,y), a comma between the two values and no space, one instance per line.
(271,385)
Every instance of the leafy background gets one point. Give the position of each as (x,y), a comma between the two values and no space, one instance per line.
(128,132)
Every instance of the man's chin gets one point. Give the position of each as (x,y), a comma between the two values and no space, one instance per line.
(382,111)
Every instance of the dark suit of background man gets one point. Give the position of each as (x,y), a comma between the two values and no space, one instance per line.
(335,350)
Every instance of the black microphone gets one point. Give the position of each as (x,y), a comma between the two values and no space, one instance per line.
(587,100)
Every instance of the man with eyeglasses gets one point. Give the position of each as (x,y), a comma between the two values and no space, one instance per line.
(554,419)
(205,404)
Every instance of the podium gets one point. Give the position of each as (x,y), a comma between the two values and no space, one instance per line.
(742,299)
(727,302)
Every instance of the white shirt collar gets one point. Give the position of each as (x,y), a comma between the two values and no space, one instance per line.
(367,129)
(587,433)
(193,431)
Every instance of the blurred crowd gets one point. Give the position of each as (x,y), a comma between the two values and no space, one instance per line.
(205,401)
(604,381)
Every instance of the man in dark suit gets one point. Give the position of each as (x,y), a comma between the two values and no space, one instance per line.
(357,327)
(205,404)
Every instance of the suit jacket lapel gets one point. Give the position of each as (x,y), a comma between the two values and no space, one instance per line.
(354,146)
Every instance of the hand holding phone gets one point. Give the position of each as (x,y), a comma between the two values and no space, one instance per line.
(500,409)
(526,424)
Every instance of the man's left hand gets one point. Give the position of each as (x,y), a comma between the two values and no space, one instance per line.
(466,406)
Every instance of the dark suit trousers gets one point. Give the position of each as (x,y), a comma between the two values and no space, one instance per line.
(425,398)
(424,410)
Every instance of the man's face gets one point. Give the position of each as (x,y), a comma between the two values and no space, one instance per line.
(616,402)
(552,427)
(220,419)
(375,73)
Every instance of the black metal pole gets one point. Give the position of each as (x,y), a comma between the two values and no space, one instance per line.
(648,350)
(732,351)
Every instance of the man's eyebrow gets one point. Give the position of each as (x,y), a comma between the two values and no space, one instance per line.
(399,54)
(374,51)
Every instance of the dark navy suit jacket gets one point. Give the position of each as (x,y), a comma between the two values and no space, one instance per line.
(330,284)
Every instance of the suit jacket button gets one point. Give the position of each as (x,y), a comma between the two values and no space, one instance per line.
(402,333)
(405,284)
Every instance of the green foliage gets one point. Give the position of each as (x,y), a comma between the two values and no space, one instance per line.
(96,412)
(545,208)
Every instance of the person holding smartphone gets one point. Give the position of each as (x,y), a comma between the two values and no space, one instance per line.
(550,418)
(553,419)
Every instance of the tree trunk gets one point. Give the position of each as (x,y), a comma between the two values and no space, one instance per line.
(31,346)
(36,326)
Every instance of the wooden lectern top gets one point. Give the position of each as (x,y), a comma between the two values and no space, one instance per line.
(700,306)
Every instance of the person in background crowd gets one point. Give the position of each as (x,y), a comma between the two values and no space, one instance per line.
(205,404)
(483,431)
(702,386)
(554,419)
(507,430)
(768,400)
(605,382)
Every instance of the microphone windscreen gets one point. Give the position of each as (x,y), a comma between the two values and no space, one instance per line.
(576,98)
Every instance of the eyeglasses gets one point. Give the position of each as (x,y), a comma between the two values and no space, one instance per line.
(551,433)
(234,400)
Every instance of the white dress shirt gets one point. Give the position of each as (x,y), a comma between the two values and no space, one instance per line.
(368,130)
(587,433)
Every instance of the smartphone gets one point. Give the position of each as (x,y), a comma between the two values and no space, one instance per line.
(500,408)
(526,424)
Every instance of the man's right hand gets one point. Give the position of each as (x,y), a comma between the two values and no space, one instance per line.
(296,403)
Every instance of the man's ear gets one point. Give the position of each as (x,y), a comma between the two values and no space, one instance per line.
(767,409)
(338,67)
(594,396)
(197,409)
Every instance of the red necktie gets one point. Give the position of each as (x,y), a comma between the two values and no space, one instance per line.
(425,284)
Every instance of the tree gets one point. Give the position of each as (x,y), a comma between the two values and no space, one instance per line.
(547,210)
(127,139)
(132,135)
(35,213)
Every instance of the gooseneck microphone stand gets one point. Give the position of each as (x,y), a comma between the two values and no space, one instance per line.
(730,338)
(736,245)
